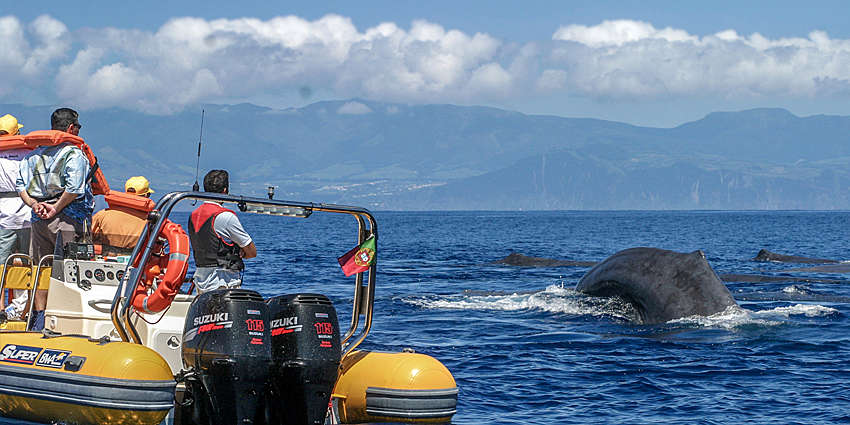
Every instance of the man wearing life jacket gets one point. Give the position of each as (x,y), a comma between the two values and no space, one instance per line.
(219,243)
(118,228)
(54,182)
(14,215)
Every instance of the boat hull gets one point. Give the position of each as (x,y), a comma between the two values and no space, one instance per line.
(77,380)
(393,387)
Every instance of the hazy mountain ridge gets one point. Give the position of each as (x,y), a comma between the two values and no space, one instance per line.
(393,156)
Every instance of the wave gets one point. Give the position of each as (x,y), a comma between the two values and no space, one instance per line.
(736,317)
(559,299)
(554,299)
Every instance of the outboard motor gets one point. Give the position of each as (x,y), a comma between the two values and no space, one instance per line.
(227,349)
(305,358)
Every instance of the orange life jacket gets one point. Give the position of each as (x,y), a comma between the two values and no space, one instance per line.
(116,199)
(37,138)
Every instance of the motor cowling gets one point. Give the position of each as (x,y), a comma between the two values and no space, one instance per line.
(305,357)
(227,349)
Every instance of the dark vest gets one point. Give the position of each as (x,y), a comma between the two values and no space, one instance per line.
(208,248)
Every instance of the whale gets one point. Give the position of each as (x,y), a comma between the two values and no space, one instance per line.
(661,285)
(765,255)
(521,260)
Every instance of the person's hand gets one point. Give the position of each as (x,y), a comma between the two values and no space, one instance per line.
(48,211)
(38,209)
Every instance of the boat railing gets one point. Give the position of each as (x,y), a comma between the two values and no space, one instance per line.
(10,260)
(364,293)
(34,279)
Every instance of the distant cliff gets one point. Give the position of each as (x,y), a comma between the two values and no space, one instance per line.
(392,156)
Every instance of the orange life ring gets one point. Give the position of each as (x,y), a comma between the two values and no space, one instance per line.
(170,273)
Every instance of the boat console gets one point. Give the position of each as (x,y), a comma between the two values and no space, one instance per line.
(80,301)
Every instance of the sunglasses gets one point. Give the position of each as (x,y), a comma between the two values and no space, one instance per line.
(78,125)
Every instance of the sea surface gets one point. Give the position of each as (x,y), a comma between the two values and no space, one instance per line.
(525,348)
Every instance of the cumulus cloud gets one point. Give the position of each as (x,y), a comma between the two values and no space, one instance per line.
(192,60)
(619,32)
(353,108)
(635,59)
(28,51)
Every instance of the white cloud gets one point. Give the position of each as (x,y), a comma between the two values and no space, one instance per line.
(490,78)
(552,79)
(618,32)
(634,59)
(354,108)
(29,52)
(192,60)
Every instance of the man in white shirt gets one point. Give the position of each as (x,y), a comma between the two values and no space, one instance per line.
(219,243)
(14,214)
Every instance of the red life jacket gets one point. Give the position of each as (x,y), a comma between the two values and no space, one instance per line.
(208,248)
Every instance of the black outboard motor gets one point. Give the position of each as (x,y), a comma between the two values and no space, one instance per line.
(306,354)
(227,349)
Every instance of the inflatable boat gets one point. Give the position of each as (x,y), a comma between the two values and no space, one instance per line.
(126,341)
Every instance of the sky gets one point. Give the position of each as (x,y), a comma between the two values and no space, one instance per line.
(651,63)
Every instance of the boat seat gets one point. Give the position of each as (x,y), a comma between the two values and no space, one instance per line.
(14,325)
(20,277)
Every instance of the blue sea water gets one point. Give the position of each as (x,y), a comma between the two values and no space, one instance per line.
(525,348)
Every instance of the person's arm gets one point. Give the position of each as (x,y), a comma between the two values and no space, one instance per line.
(36,206)
(228,225)
(249,251)
(24,176)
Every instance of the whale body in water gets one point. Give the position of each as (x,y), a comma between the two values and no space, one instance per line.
(765,255)
(662,285)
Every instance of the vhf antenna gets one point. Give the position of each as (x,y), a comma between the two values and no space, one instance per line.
(196,187)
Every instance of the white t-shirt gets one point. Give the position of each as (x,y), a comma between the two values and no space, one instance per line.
(227,226)
(13,213)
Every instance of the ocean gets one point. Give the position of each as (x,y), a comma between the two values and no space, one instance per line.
(525,348)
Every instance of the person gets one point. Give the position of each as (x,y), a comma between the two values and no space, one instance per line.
(118,228)
(53,181)
(9,125)
(219,243)
(14,217)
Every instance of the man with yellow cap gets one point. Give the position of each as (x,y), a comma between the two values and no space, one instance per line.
(14,214)
(9,125)
(119,228)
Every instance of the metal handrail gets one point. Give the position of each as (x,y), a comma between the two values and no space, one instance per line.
(156,220)
(34,289)
(10,259)
(358,289)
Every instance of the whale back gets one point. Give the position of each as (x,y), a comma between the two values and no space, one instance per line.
(662,285)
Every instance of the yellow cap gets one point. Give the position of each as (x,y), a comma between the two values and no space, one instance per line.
(10,125)
(138,185)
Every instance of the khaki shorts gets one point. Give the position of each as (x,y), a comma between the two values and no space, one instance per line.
(45,233)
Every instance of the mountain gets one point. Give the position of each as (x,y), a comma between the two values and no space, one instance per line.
(394,156)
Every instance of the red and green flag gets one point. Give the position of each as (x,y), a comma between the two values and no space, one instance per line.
(360,258)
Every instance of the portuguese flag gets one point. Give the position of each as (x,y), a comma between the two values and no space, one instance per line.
(360,258)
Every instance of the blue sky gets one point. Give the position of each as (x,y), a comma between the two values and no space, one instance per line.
(657,63)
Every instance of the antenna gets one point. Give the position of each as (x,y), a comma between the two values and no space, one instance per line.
(196,187)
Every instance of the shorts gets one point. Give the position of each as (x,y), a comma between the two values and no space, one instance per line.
(44,232)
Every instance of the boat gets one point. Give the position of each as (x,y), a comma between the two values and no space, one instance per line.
(127,341)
